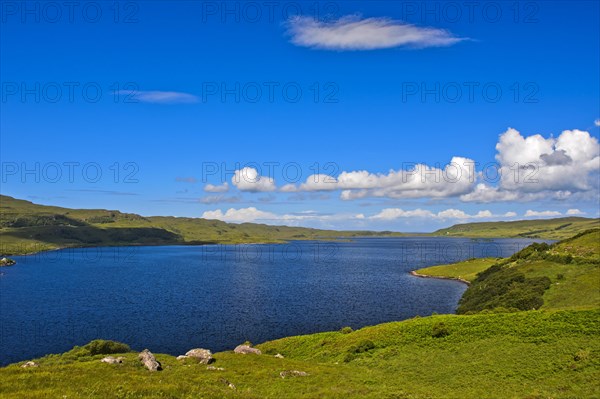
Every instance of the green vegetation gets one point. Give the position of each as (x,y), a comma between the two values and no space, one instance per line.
(535,354)
(466,270)
(562,275)
(550,229)
(28,228)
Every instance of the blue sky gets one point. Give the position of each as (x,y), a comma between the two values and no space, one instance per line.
(165,98)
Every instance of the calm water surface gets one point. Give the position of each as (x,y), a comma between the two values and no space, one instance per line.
(172,299)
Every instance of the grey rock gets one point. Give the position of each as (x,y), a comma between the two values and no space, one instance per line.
(113,360)
(149,361)
(279,356)
(30,364)
(203,356)
(245,349)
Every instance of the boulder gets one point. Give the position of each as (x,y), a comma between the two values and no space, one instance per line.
(30,364)
(203,356)
(149,361)
(182,357)
(279,356)
(293,373)
(245,349)
(113,360)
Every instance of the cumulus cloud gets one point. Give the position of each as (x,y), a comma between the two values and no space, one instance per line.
(242,215)
(221,188)
(248,179)
(574,212)
(158,97)
(254,215)
(355,33)
(397,213)
(597,122)
(542,214)
(533,168)
(417,181)
(536,164)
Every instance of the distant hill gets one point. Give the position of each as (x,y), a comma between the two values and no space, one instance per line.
(26,227)
(551,229)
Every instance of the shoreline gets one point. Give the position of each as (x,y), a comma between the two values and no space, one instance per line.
(414,273)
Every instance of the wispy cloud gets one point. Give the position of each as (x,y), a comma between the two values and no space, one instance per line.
(190,180)
(159,97)
(355,33)
(597,122)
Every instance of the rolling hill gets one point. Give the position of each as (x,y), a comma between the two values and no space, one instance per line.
(26,227)
(551,229)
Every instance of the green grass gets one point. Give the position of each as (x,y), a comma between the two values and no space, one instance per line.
(536,354)
(466,270)
(551,229)
(572,267)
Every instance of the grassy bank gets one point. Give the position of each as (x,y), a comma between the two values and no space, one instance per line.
(537,354)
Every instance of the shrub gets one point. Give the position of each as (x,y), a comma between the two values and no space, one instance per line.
(103,347)
(346,330)
(439,330)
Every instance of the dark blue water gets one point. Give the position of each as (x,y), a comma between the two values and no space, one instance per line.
(171,299)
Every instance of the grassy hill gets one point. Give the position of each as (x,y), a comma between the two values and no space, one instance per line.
(27,228)
(536,354)
(561,275)
(551,229)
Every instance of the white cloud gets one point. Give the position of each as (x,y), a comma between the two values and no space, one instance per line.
(248,179)
(354,33)
(417,181)
(222,188)
(597,122)
(397,213)
(535,164)
(531,213)
(254,215)
(510,214)
(573,212)
(158,97)
(242,215)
